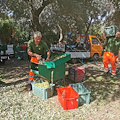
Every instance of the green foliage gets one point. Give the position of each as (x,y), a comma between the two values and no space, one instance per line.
(95,29)
(6,30)
(75,16)
(49,36)
(21,35)
(71,15)
(12,34)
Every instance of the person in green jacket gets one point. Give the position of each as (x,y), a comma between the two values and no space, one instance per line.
(37,49)
(112,53)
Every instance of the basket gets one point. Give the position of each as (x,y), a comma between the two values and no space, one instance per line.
(68,97)
(43,93)
(84,93)
(110,31)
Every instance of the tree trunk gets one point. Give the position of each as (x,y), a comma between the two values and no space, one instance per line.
(35,16)
(88,26)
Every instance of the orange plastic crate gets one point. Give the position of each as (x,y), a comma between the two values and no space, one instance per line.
(68,97)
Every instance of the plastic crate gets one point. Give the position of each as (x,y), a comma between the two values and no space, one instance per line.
(43,93)
(76,74)
(24,55)
(3,48)
(110,31)
(84,93)
(68,97)
(18,48)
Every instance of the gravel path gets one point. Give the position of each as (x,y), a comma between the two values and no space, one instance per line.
(18,104)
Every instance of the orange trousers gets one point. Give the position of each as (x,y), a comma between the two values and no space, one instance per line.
(31,74)
(110,57)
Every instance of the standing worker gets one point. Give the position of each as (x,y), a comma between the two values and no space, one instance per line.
(37,49)
(112,52)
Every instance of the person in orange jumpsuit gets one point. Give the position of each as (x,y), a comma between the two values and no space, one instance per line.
(37,49)
(112,52)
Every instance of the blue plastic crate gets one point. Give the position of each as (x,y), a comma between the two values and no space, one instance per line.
(84,93)
(43,93)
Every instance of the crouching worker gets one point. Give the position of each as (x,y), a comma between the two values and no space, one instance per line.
(112,53)
(37,49)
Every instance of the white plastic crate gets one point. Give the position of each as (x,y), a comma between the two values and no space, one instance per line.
(84,93)
(43,93)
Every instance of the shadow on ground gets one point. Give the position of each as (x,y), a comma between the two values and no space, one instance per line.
(102,87)
(12,83)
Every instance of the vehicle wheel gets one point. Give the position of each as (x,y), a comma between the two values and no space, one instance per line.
(95,57)
(74,60)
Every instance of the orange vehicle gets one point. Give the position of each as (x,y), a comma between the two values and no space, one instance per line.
(91,43)
(86,46)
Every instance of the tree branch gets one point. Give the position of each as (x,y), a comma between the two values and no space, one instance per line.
(88,26)
(61,35)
